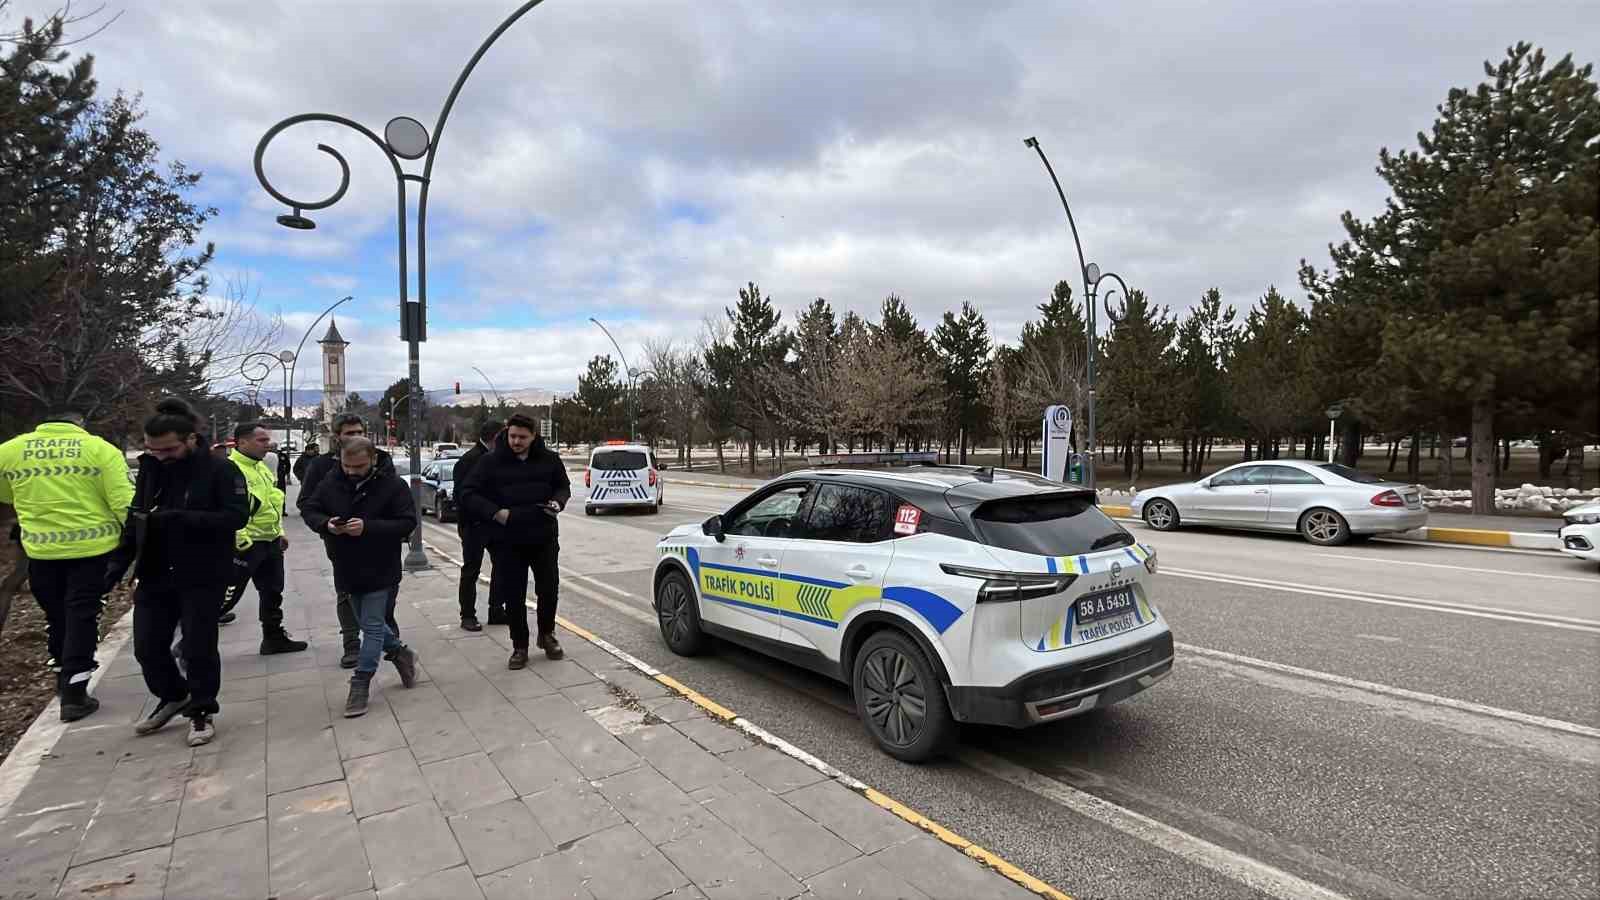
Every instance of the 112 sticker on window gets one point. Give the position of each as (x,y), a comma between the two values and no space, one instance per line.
(906,519)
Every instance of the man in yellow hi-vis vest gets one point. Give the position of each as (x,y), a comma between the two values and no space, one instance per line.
(71,491)
(261,543)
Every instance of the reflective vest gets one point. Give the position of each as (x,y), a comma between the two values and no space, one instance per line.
(71,490)
(266,501)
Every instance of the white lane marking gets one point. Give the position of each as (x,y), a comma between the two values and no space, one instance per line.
(1506,572)
(1267,879)
(1475,548)
(597,583)
(1482,612)
(1480,709)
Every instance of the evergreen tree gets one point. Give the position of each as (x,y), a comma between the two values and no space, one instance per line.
(603,398)
(1269,383)
(962,343)
(1135,379)
(1484,260)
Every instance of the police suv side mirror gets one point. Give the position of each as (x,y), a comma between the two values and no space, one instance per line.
(713,528)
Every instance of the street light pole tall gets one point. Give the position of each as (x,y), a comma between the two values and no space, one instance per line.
(403,138)
(633,379)
(1092,276)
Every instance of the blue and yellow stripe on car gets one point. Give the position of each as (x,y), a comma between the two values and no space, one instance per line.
(813,600)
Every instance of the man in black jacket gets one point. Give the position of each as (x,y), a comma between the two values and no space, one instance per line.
(472,536)
(515,494)
(345,426)
(178,540)
(364,516)
(305,459)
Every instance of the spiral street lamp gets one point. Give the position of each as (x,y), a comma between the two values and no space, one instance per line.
(404,138)
(1092,276)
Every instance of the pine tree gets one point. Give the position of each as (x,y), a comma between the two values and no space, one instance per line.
(603,398)
(1484,260)
(962,343)
(1135,378)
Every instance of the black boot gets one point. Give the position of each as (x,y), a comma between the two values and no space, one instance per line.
(497,615)
(351,652)
(278,641)
(405,662)
(75,700)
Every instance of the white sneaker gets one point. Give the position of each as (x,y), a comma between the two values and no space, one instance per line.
(201,731)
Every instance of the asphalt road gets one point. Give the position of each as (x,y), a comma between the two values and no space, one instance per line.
(1381,720)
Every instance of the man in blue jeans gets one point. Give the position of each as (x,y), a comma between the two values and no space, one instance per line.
(365,515)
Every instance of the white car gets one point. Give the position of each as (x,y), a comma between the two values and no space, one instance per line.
(622,476)
(939,594)
(1327,503)
(1580,537)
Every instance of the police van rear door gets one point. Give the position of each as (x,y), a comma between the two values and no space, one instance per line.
(620,475)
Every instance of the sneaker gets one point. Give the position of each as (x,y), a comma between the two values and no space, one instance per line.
(405,662)
(227,618)
(351,652)
(163,714)
(280,642)
(201,731)
(497,615)
(356,704)
(470,623)
(519,658)
(550,646)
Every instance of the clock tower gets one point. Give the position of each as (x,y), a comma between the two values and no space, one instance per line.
(333,384)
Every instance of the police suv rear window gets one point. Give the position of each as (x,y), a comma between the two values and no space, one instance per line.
(1049,525)
(619,459)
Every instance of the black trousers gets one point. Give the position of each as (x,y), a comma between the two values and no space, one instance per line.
(69,592)
(157,613)
(472,548)
(509,589)
(262,564)
(350,619)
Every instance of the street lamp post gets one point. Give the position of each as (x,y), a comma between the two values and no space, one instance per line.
(1092,276)
(403,138)
(633,380)
(497,397)
(283,360)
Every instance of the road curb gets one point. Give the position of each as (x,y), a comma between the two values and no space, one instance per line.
(973,851)
(1476,537)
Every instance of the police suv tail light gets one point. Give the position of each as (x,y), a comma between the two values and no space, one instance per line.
(652,477)
(1008,586)
(1389,498)
(586,478)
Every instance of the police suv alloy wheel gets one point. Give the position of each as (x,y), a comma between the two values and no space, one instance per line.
(899,697)
(679,615)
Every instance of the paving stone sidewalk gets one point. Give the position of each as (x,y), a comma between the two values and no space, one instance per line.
(575,779)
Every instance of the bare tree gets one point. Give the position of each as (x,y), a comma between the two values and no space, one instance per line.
(231,329)
(673,393)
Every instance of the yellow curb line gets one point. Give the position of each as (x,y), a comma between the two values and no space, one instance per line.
(698,699)
(965,846)
(969,849)
(1123,511)
(1475,536)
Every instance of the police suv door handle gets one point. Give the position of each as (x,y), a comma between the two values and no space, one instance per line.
(768,562)
(1261,490)
(858,572)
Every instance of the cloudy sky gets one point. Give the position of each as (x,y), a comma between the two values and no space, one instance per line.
(640,161)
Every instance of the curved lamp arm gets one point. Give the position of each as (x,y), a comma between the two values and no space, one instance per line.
(626,369)
(1111,313)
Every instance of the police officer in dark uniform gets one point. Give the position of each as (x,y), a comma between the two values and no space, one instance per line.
(178,540)
(472,535)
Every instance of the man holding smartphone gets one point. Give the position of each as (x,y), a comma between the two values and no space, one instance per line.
(365,516)
(514,496)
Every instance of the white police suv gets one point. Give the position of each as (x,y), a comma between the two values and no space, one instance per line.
(622,475)
(940,594)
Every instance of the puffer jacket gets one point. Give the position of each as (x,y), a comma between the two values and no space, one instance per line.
(522,486)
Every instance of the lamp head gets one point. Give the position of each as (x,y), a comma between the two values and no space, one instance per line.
(1030,142)
(296,221)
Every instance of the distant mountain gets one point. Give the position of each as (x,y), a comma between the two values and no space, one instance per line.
(532,396)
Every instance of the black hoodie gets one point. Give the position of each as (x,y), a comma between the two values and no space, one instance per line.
(182,520)
(502,481)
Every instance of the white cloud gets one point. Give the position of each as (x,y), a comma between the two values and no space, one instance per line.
(837,149)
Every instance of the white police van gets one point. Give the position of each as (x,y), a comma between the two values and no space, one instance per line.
(622,476)
(940,594)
